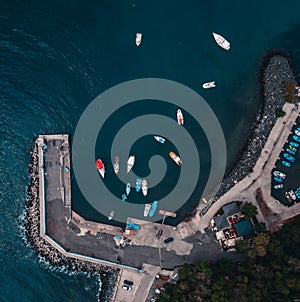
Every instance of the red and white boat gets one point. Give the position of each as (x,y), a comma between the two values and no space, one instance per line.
(100,167)
(179,117)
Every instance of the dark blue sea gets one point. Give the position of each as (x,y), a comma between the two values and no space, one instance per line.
(56,57)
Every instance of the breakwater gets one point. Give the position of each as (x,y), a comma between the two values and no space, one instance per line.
(275,71)
(43,248)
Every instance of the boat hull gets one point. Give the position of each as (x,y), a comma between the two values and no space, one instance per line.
(180,119)
(175,158)
(147,209)
(153,209)
(130,163)
(144,187)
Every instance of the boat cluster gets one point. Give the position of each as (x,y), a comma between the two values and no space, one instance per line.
(150,209)
(46,251)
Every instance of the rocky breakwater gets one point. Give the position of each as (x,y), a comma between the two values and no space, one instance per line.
(275,72)
(44,249)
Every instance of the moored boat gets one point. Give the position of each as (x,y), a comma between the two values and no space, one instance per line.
(221,41)
(116,164)
(175,158)
(288,197)
(111,215)
(130,163)
(131,225)
(138,185)
(100,167)
(160,139)
(209,85)
(153,208)
(180,119)
(144,187)
(279,174)
(296,145)
(147,209)
(292,194)
(124,197)
(138,39)
(128,188)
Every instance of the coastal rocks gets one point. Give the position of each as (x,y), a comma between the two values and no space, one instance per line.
(47,252)
(275,72)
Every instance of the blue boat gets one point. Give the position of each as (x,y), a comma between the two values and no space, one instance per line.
(286,163)
(296,138)
(294,144)
(138,184)
(289,157)
(153,208)
(131,225)
(290,151)
(124,197)
(292,148)
(278,179)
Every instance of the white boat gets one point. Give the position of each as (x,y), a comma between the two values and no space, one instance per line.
(279,174)
(160,139)
(180,117)
(292,194)
(130,163)
(128,188)
(111,215)
(209,85)
(175,158)
(221,41)
(138,39)
(144,187)
(116,164)
(100,167)
(147,209)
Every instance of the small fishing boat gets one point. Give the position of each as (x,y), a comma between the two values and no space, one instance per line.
(138,184)
(116,164)
(279,174)
(138,39)
(287,196)
(100,167)
(280,180)
(286,163)
(297,132)
(289,157)
(296,145)
(180,119)
(111,215)
(153,208)
(209,85)
(290,151)
(296,138)
(131,225)
(130,163)
(124,197)
(160,139)
(128,188)
(280,186)
(292,148)
(147,209)
(221,41)
(144,187)
(292,194)
(175,158)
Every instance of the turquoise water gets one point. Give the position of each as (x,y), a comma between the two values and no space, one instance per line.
(57,56)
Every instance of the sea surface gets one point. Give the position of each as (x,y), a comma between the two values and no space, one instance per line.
(57,56)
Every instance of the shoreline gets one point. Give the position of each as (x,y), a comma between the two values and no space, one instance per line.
(43,249)
(275,64)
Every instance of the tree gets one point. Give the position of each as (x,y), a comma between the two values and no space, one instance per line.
(249,210)
(279,112)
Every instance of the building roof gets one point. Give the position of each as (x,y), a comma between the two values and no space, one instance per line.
(244,227)
(230,209)
(221,222)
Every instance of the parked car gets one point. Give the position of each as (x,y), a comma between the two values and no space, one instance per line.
(285,163)
(128,282)
(168,240)
(126,287)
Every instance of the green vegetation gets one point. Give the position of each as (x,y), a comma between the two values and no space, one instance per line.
(271,272)
(279,112)
(249,210)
